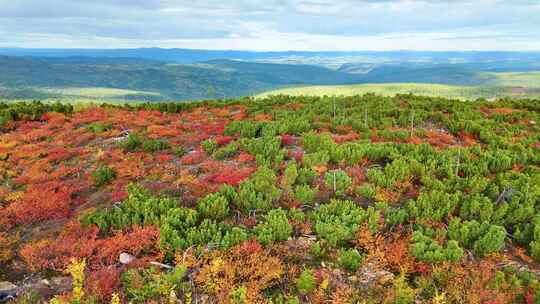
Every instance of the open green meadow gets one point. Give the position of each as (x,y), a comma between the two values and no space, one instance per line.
(516,85)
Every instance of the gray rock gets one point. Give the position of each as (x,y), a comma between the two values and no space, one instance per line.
(126,258)
(369,276)
(8,291)
(61,284)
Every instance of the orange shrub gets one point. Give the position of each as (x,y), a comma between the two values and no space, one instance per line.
(242,266)
(6,247)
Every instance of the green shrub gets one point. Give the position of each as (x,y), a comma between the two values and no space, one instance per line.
(276,227)
(179,151)
(209,146)
(434,205)
(477,207)
(404,294)
(140,208)
(366,190)
(103,175)
(305,194)
(226,151)
(214,206)
(259,191)
(267,150)
(378,178)
(317,250)
(133,142)
(228,192)
(154,145)
(319,158)
(306,282)
(144,285)
(318,142)
(296,214)
(238,295)
(289,176)
(427,249)
(338,221)
(339,181)
(99,127)
(246,128)
(208,232)
(482,238)
(234,237)
(306,176)
(350,259)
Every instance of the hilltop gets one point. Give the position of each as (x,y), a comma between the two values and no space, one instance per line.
(402,199)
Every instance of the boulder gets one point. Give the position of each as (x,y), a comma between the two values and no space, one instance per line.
(61,284)
(8,291)
(369,275)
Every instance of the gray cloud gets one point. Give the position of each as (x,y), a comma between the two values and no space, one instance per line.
(302,24)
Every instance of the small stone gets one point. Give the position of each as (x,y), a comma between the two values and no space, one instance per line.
(161,265)
(126,258)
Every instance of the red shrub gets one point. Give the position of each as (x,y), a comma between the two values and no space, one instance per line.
(119,193)
(248,247)
(287,140)
(194,157)
(223,140)
(345,138)
(231,175)
(59,154)
(134,242)
(244,157)
(103,282)
(415,140)
(89,115)
(211,166)
(467,139)
(76,241)
(298,155)
(157,131)
(54,118)
(357,173)
(42,202)
(164,157)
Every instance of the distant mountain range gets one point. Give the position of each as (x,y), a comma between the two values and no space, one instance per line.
(199,74)
(194,56)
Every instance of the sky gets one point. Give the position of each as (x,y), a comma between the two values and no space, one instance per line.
(273,25)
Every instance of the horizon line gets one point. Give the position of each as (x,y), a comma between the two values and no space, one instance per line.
(269,51)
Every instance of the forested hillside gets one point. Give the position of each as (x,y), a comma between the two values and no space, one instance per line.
(361,199)
(160,74)
(221,78)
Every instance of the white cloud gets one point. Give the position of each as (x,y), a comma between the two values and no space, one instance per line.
(273,24)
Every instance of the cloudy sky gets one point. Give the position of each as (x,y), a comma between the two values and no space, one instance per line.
(273,24)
